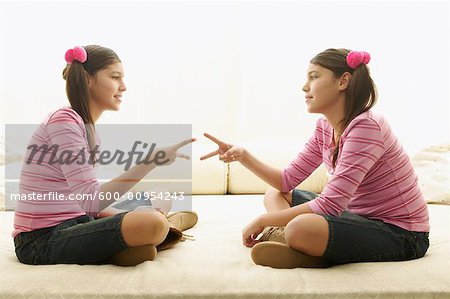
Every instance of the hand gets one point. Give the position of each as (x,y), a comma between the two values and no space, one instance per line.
(251,232)
(227,152)
(172,151)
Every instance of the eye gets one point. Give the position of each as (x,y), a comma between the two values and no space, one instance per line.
(116,77)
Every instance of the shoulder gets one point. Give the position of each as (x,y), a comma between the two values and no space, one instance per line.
(367,122)
(64,121)
(64,115)
(366,128)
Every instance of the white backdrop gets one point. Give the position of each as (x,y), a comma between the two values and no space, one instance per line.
(234,69)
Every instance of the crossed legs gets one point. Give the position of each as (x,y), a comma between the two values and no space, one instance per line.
(307,233)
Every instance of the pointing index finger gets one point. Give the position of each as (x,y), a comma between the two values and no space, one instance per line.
(183,143)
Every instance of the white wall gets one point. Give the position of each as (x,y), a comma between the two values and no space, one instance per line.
(234,69)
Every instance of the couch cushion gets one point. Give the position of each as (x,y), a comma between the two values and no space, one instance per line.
(242,181)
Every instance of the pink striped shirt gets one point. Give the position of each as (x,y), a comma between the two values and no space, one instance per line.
(373,177)
(64,128)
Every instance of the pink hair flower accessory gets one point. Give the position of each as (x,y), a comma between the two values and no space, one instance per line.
(77,53)
(356,58)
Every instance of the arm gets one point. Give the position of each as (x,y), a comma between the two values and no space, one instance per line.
(286,180)
(282,217)
(128,179)
(304,164)
(124,182)
(267,173)
(230,153)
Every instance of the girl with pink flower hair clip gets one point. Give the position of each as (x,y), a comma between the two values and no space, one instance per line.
(370,210)
(73,231)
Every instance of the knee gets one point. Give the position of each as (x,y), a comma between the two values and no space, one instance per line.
(304,229)
(160,225)
(151,227)
(295,231)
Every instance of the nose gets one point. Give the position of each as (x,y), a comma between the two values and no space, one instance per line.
(305,87)
(123,87)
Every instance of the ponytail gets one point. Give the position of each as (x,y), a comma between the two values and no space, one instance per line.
(361,94)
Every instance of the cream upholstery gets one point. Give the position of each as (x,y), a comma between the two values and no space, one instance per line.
(217,265)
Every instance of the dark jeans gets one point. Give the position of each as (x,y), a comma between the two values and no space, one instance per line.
(353,238)
(81,240)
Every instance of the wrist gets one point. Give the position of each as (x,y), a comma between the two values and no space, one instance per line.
(263,220)
(244,155)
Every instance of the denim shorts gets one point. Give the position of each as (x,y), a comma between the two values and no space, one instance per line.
(353,238)
(81,240)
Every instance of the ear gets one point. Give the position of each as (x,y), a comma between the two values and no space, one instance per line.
(344,81)
(88,77)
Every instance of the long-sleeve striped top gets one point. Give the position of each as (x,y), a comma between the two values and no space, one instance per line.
(373,176)
(62,180)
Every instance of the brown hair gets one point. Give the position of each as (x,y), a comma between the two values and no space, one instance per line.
(360,95)
(77,87)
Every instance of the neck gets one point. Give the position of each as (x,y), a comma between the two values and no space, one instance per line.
(335,122)
(335,115)
(95,112)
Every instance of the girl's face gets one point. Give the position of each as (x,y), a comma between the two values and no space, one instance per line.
(323,91)
(106,88)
